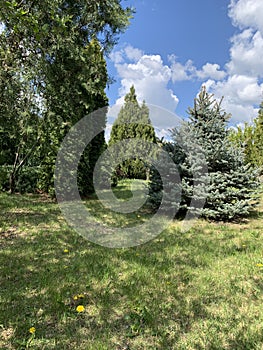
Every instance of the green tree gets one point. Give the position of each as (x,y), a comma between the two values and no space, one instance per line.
(230,189)
(133,121)
(54,53)
(80,90)
(244,138)
(19,121)
(250,138)
(258,139)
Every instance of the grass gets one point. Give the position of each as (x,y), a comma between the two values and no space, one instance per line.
(197,290)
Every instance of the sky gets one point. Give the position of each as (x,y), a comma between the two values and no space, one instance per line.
(173,47)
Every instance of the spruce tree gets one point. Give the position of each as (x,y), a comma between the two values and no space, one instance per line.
(133,121)
(230,185)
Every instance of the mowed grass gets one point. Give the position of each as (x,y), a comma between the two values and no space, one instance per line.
(202,289)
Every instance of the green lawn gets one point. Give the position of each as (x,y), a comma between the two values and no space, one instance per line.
(197,290)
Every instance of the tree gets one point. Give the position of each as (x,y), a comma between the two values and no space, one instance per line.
(258,139)
(54,52)
(133,122)
(230,184)
(244,138)
(19,121)
(80,90)
(250,138)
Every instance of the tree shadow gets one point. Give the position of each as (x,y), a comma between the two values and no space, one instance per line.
(128,294)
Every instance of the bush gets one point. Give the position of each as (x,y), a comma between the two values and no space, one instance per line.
(4,177)
(26,181)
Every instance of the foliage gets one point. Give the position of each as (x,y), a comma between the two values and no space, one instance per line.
(258,138)
(75,87)
(243,137)
(26,179)
(211,169)
(19,121)
(250,138)
(52,73)
(164,184)
(133,122)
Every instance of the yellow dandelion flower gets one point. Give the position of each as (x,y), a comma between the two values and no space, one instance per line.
(81,296)
(80,308)
(75,297)
(259,265)
(32,330)
(66,250)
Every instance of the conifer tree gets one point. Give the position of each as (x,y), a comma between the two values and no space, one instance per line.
(133,121)
(231,185)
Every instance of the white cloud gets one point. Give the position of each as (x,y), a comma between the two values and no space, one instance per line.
(242,88)
(188,71)
(179,71)
(240,81)
(247,13)
(132,53)
(242,95)
(150,77)
(128,52)
(211,71)
(246,53)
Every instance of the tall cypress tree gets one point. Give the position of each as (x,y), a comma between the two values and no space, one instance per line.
(231,184)
(133,121)
(81,91)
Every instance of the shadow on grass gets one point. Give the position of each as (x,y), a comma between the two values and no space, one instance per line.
(145,293)
(39,281)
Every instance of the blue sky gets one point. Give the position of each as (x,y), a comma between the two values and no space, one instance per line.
(173,47)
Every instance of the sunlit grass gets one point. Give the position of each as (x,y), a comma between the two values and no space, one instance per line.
(202,289)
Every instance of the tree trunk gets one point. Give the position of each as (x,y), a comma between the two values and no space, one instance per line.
(12,182)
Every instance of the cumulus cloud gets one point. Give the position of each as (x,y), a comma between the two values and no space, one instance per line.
(241,96)
(179,71)
(212,71)
(150,77)
(247,13)
(240,81)
(246,53)
(128,52)
(188,71)
(132,53)
(242,88)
